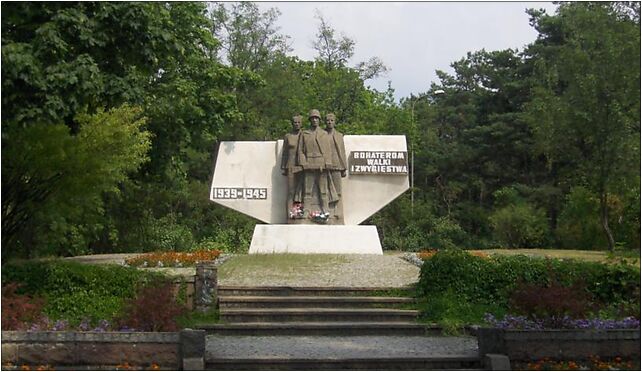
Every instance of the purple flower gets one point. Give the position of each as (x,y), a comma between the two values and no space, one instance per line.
(60,325)
(126,329)
(84,326)
(35,327)
(103,326)
(566,322)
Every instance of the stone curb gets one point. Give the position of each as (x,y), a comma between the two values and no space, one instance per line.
(117,337)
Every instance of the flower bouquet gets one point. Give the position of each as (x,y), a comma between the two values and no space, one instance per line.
(296,211)
(319,216)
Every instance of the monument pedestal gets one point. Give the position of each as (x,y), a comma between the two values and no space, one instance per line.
(334,239)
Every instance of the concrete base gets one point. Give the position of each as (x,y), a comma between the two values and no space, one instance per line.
(315,239)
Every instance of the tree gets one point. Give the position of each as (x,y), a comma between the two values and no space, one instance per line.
(586,109)
(62,61)
(249,38)
(335,52)
(53,181)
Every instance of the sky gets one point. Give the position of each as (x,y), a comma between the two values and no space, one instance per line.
(414,39)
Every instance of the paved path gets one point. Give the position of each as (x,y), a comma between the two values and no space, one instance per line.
(336,347)
(351,270)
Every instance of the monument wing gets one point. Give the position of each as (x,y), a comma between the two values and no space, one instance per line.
(247,177)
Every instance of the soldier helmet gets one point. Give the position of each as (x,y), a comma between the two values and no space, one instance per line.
(314,113)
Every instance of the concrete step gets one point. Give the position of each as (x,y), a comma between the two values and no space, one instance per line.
(230,302)
(226,290)
(317,315)
(451,362)
(323,329)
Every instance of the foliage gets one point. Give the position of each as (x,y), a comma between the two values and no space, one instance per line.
(154,309)
(585,112)
(579,224)
(53,181)
(449,311)
(195,318)
(249,38)
(75,291)
(173,259)
(553,301)
(62,61)
(517,223)
(18,310)
(482,280)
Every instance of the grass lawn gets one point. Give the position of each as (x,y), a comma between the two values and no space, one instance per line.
(269,265)
(595,256)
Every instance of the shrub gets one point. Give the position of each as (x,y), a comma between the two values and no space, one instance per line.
(486,280)
(154,309)
(519,225)
(73,291)
(165,233)
(579,222)
(18,310)
(551,301)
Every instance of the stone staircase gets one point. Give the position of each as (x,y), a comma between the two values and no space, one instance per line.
(336,311)
(338,319)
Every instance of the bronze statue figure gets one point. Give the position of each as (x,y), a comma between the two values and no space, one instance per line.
(336,170)
(293,171)
(314,157)
(314,160)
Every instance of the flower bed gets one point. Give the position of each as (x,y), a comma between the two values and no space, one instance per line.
(524,323)
(172,259)
(427,254)
(594,363)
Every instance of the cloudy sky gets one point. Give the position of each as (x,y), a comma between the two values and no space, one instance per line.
(412,38)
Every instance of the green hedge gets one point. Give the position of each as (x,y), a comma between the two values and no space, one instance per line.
(492,280)
(74,291)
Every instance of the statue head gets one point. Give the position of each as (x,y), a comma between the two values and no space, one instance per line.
(296,122)
(330,121)
(315,117)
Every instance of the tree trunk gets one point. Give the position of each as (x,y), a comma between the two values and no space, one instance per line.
(604,219)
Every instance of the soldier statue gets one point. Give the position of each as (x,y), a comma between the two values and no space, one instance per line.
(314,157)
(336,170)
(293,171)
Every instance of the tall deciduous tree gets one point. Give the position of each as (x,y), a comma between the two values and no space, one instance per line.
(53,182)
(334,51)
(249,38)
(61,61)
(586,110)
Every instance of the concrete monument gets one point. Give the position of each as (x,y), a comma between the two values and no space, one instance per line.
(371,172)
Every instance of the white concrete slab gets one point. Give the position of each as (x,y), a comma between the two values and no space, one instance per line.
(365,194)
(243,164)
(315,239)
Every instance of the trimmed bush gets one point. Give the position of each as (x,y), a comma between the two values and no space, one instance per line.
(494,279)
(18,310)
(154,309)
(75,291)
